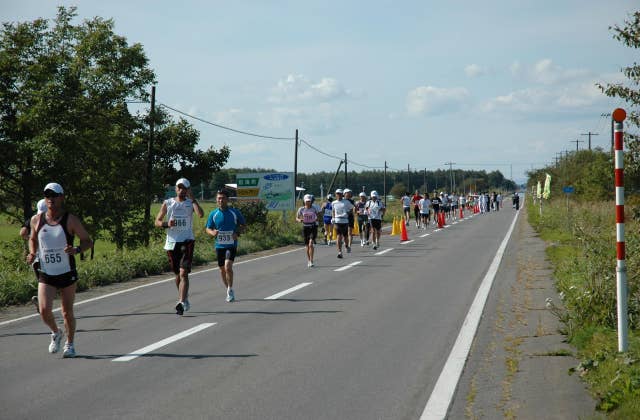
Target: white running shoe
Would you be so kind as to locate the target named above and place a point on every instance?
(230, 295)
(186, 305)
(69, 351)
(55, 341)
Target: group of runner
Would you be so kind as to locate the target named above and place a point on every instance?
(338, 216)
(50, 238)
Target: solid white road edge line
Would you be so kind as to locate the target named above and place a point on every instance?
(445, 387)
(162, 343)
(286, 292)
(145, 285)
(348, 266)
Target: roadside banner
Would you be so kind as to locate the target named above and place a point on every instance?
(547, 187)
(275, 189)
(539, 191)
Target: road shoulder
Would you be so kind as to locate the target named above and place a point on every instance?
(518, 364)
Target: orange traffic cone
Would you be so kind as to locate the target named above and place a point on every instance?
(461, 213)
(356, 228)
(403, 229)
(440, 220)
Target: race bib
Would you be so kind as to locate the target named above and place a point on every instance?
(181, 223)
(309, 217)
(54, 261)
(225, 237)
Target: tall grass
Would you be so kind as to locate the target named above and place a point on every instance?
(582, 246)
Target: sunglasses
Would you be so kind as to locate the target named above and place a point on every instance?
(51, 194)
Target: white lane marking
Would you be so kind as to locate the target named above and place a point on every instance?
(445, 387)
(426, 234)
(383, 252)
(286, 292)
(108, 295)
(348, 266)
(162, 343)
(406, 242)
(437, 230)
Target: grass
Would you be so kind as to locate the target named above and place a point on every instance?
(581, 246)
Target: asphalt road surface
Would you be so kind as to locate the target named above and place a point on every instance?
(364, 337)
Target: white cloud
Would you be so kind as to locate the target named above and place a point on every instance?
(433, 100)
(545, 72)
(474, 70)
(299, 89)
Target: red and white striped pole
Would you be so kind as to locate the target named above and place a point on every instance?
(619, 116)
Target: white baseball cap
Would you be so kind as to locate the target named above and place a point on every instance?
(339, 191)
(362, 194)
(374, 193)
(308, 197)
(183, 181)
(56, 188)
(347, 190)
(41, 206)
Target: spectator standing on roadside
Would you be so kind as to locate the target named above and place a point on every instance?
(308, 216)
(226, 224)
(51, 240)
(180, 240)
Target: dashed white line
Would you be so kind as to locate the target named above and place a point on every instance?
(384, 251)
(406, 242)
(162, 343)
(348, 266)
(286, 292)
(426, 234)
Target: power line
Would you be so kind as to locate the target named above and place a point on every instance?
(225, 127)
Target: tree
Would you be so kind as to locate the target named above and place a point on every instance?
(629, 35)
(64, 117)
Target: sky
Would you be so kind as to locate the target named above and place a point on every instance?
(486, 85)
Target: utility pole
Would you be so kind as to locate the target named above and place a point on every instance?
(384, 183)
(346, 184)
(608, 114)
(147, 210)
(589, 134)
(408, 181)
(576, 142)
(451, 175)
(295, 171)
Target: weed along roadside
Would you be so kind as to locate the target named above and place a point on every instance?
(581, 245)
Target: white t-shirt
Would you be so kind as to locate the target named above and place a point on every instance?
(309, 215)
(406, 201)
(374, 209)
(341, 210)
(424, 204)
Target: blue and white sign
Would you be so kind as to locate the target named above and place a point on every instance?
(568, 190)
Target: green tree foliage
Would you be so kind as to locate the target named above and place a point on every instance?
(629, 35)
(590, 172)
(64, 117)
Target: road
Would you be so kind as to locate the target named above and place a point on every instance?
(365, 337)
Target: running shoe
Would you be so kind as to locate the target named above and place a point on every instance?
(55, 341)
(230, 296)
(179, 308)
(339, 254)
(309, 264)
(348, 250)
(375, 247)
(69, 351)
(186, 305)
